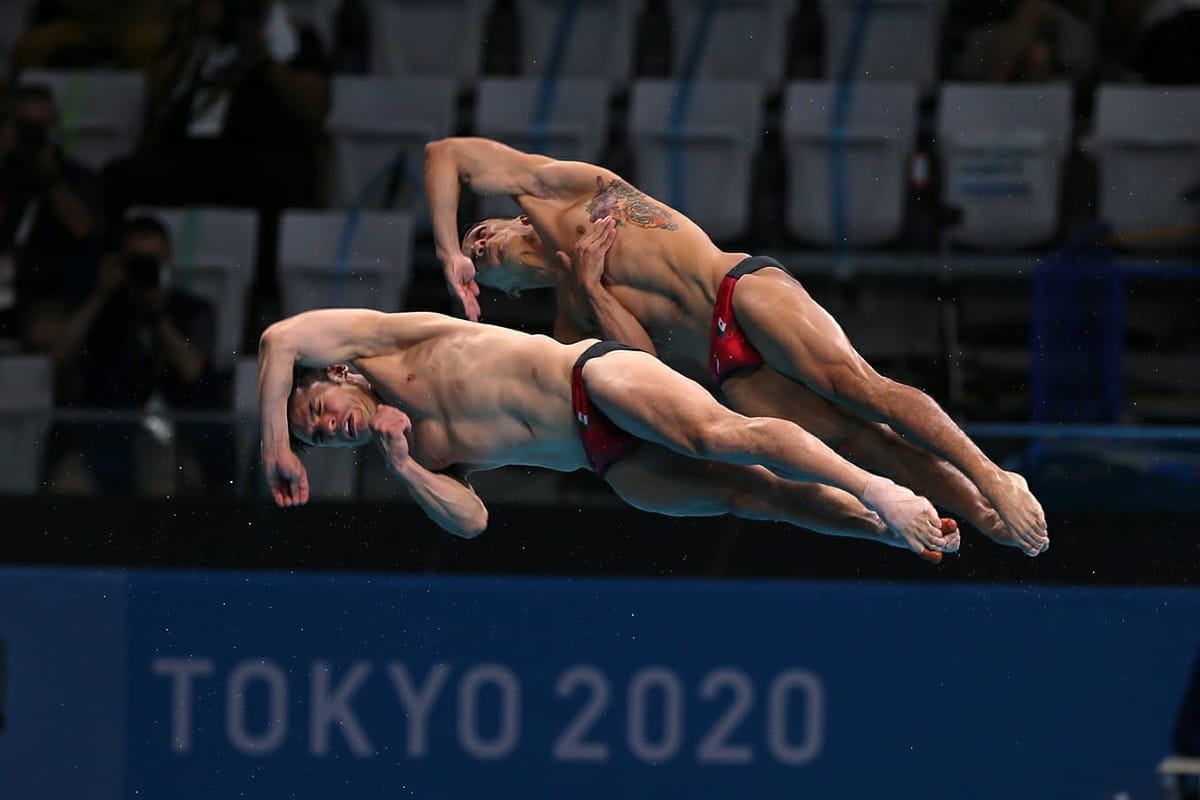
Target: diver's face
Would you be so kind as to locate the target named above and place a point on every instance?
(501, 248)
(333, 412)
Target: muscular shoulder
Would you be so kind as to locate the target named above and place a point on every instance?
(397, 331)
(572, 179)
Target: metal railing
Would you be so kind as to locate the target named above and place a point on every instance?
(216, 453)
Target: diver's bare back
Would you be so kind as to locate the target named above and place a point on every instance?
(481, 396)
(662, 267)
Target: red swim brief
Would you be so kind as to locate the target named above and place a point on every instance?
(729, 350)
(602, 440)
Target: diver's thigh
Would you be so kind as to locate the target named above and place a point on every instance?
(645, 397)
(794, 333)
(653, 478)
(765, 392)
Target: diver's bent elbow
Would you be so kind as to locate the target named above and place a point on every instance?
(473, 527)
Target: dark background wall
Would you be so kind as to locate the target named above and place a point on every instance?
(1089, 546)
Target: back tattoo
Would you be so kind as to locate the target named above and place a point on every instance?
(620, 199)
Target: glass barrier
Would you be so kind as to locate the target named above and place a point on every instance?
(1151, 468)
(192, 454)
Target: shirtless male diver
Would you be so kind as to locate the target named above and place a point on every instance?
(443, 397)
(771, 348)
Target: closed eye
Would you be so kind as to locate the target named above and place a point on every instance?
(316, 432)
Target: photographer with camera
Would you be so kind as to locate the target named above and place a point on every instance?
(238, 101)
(138, 344)
(50, 240)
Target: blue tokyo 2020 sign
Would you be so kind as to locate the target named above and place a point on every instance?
(203, 685)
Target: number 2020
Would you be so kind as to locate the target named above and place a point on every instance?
(716, 746)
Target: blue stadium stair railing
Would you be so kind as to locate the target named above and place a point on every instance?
(539, 126)
(1077, 381)
(839, 113)
(1078, 325)
(677, 121)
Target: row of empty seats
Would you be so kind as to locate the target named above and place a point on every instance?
(707, 39)
(1002, 149)
(847, 149)
(710, 39)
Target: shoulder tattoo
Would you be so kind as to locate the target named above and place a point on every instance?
(629, 206)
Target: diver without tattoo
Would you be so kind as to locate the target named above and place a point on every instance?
(630, 205)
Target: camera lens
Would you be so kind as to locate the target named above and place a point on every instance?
(142, 270)
(31, 137)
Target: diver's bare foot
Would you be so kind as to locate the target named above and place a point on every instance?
(984, 519)
(1022, 516)
(908, 516)
(988, 522)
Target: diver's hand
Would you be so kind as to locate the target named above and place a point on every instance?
(391, 426)
(286, 476)
(460, 280)
(591, 252)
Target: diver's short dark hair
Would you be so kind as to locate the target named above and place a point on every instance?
(302, 378)
(144, 225)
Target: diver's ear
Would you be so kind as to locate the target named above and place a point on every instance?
(337, 372)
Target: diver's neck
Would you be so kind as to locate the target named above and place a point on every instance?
(542, 273)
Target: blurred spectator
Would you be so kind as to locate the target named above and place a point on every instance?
(502, 32)
(139, 345)
(50, 221)
(238, 100)
(68, 34)
(352, 37)
(1025, 41)
(652, 43)
(1162, 39)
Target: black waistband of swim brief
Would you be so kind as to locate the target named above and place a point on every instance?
(753, 264)
(600, 348)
